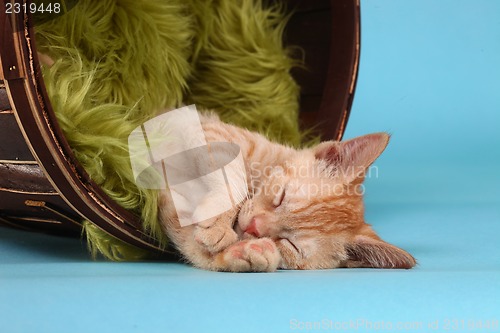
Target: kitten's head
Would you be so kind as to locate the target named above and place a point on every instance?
(311, 205)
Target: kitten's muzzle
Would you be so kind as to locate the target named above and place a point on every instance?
(252, 228)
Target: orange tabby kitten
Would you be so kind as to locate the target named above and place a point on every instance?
(304, 209)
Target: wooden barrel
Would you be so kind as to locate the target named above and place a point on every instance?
(44, 188)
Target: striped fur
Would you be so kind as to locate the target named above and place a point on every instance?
(304, 209)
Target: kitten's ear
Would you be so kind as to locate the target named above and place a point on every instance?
(365, 251)
(354, 155)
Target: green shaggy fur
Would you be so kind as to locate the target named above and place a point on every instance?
(119, 62)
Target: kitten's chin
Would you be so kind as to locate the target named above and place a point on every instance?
(248, 236)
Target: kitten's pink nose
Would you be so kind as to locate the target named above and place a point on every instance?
(252, 228)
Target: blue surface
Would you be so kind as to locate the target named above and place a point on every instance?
(430, 75)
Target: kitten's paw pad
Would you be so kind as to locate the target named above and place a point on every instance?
(216, 238)
(255, 255)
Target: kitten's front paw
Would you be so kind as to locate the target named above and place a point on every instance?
(215, 238)
(255, 255)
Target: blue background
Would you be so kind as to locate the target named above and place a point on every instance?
(430, 75)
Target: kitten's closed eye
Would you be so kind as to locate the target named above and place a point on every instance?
(279, 197)
(290, 246)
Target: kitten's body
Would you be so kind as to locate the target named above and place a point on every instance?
(304, 210)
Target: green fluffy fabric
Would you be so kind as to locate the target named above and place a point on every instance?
(119, 62)
(241, 70)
